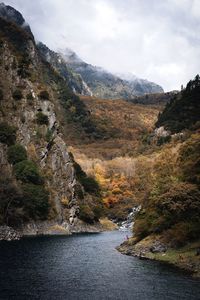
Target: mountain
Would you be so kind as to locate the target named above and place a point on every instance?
(104, 84)
(42, 188)
(141, 86)
(81, 77)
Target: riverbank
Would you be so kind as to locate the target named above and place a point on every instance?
(185, 258)
(8, 233)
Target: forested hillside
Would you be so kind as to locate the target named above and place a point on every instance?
(183, 111)
(169, 221)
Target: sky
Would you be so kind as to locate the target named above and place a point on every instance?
(157, 40)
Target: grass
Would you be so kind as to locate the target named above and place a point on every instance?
(184, 258)
(107, 224)
(57, 229)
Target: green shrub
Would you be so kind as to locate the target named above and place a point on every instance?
(180, 203)
(1, 95)
(17, 95)
(35, 199)
(44, 95)
(42, 119)
(141, 228)
(86, 214)
(16, 153)
(90, 185)
(98, 211)
(29, 97)
(189, 160)
(27, 171)
(7, 134)
(11, 201)
(49, 135)
(163, 140)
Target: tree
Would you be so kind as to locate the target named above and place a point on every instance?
(35, 201)
(42, 119)
(27, 171)
(16, 153)
(17, 95)
(7, 134)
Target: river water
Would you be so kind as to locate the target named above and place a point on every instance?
(86, 267)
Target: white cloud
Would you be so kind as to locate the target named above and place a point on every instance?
(157, 40)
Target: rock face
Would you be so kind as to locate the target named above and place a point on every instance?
(158, 247)
(74, 80)
(142, 248)
(30, 101)
(161, 132)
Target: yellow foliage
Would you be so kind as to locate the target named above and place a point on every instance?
(73, 109)
(108, 224)
(64, 201)
(116, 191)
(32, 152)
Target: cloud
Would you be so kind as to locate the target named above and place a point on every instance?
(157, 40)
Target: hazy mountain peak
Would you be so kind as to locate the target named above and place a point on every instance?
(105, 84)
(69, 56)
(11, 14)
(127, 76)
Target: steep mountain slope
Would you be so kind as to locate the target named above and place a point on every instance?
(10, 14)
(106, 85)
(183, 111)
(74, 81)
(39, 185)
(168, 225)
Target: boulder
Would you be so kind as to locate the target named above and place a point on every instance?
(158, 247)
(9, 234)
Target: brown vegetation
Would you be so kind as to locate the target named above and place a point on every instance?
(112, 160)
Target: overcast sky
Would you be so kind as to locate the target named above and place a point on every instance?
(158, 40)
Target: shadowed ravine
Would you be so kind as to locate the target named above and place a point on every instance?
(86, 266)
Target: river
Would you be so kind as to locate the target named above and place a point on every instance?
(87, 267)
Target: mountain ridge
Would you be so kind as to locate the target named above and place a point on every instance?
(105, 84)
(84, 78)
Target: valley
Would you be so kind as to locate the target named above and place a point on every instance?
(113, 159)
(81, 148)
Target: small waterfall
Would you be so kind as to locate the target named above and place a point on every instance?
(128, 223)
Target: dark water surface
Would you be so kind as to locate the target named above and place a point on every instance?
(86, 267)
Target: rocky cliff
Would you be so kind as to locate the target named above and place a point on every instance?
(74, 80)
(39, 192)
